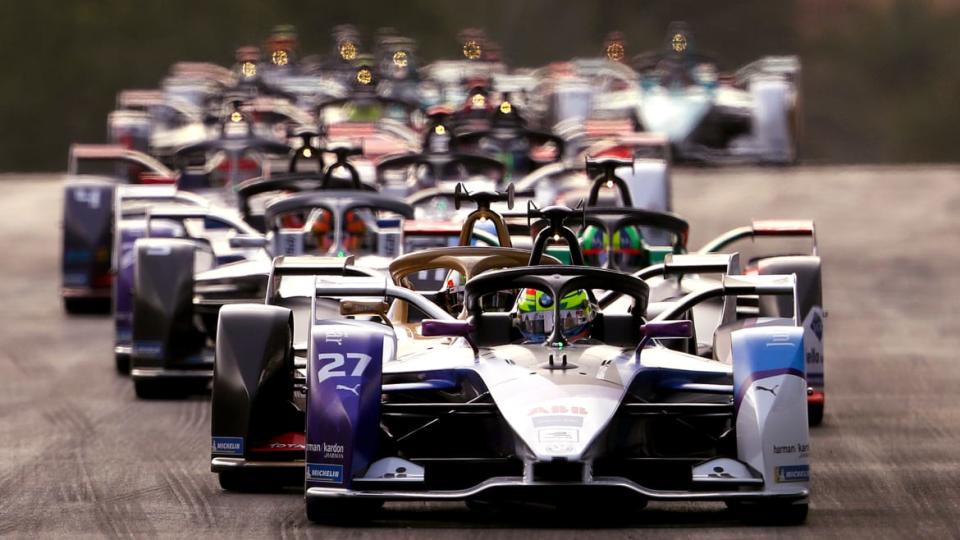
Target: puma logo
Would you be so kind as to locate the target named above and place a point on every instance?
(355, 389)
(771, 390)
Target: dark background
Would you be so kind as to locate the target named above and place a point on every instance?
(880, 81)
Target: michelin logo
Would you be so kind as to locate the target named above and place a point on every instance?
(323, 472)
(228, 445)
(148, 349)
(793, 473)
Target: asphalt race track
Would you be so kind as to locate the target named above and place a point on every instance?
(79, 455)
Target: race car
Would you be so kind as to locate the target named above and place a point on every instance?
(171, 348)
(543, 404)
(439, 163)
(88, 218)
(750, 115)
(258, 441)
(653, 245)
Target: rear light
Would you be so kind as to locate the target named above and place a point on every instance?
(815, 397)
(104, 279)
(152, 178)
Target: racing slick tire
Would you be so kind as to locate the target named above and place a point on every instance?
(815, 414)
(167, 388)
(770, 513)
(342, 512)
(86, 306)
(122, 362)
(252, 481)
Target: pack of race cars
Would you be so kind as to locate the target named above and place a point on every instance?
(458, 281)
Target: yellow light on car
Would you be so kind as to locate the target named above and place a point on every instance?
(236, 116)
(472, 50)
(615, 51)
(478, 101)
(280, 57)
(248, 69)
(400, 59)
(440, 130)
(307, 153)
(364, 76)
(348, 50)
(505, 107)
(679, 42)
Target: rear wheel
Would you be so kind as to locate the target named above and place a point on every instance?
(167, 388)
(122, 362)
(336, 511)
(770, 513)
(259, 481)
(815, 414)
(77, 306)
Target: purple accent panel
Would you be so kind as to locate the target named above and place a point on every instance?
(123, 293)
(762, 352)
(343, 409)
(436, 327)
(667, 329)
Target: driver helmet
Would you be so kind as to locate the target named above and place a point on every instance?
(594, 243)
(534, 313)
(629, 246)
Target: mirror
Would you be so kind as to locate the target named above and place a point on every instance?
(438, 328)
(247, 241)
(681, 329)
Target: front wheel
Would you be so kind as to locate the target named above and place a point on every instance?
(344, 512)
(78, 306)
(815, 414)
(770, 513)
(122, 362)
(167, 388)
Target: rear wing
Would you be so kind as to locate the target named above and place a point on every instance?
(337, 267)
(139, 99)
(368, 287)
(764, 229)
(768, 285)
(134, 201)
(682, 265)
(113, 152)
(180, 213)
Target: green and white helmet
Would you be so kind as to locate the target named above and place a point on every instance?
(535, 312)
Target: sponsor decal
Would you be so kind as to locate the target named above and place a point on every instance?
(771, 389)
(325, 472)
(355, 389)
(75, 279)
(793, 473)
(148, 349)
(559, 435)
(557, 416)
(327, 451)
(817, 326)
(228, 445)
(89, 196)
(558, 409)
(285, 442)
(332, 364)
(791, 448)
(335, 336)
(814, 357)
(561, 420)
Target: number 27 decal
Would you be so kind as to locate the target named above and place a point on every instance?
(333, 365)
